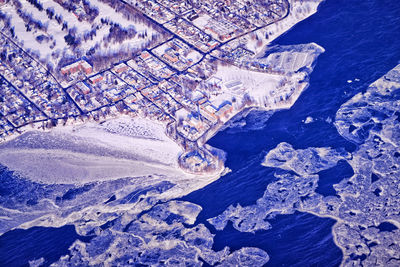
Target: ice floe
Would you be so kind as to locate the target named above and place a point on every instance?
(366, 205)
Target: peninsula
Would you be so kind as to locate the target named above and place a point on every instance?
(182, 69)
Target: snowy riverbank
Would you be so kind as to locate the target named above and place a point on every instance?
(123, 147)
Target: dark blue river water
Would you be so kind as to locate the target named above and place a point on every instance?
(361, 39)
(17, 246)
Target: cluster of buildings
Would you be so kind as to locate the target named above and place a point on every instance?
(177, 6)
(151, 67)
(171, 82)
(224, 19)
(99, 90)
(15, 110)
(75, 71)
(29, 93)
(192, 34)
(206, 24)
(77, 66)
(177, 54)
(130, 76)
(241, 14)
(236, 55)
(147, 85)
(153, 9)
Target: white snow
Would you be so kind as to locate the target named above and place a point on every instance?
(55, 32)
(299, 11)
(139, 147)
(308, 120)
(19, 27)
(257, 84)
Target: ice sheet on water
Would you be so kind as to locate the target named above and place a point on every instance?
(303, 161)
(248, 120)
(372, 120)
(22, 200)
(150, 238)
(364, 204)
(175, 211)
(143, 191)
(365, 113)
(246, 257)
(283, 195)
(293, 187)
(244, 219)
(149, 229)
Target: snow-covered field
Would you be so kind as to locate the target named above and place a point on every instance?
(267, 88)
(118, 148)
(257, 84)
(54, 48)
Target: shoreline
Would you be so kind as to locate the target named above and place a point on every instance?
(95, 140)
(202, 141)
(248, 109)
(297, 13)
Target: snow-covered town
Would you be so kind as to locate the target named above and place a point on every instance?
(190, 65)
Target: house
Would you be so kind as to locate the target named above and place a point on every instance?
(170, 58)
(224, 110)
(86, 67)
(212, 43)
(120, 68)
(145, 55)
(194, 121)
(96, 79)
(83, 88)
(131, 99)
(77, 66)
(208, 111)
(113, 94)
